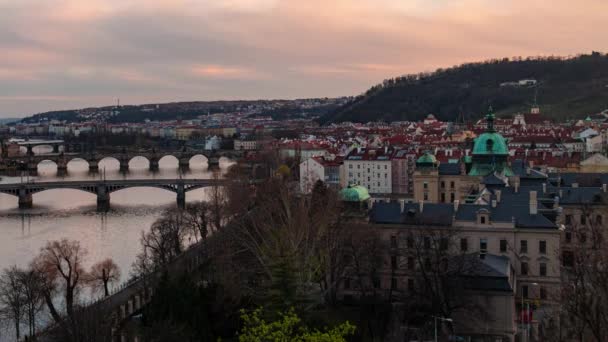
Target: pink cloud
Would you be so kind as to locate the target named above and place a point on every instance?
(216, 71)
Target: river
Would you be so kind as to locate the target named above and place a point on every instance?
(72, 214)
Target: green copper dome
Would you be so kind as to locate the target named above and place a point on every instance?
(490, 152)
(490, 143)
(427, 158)
(354, 193)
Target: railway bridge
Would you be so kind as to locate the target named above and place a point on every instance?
(103, 188)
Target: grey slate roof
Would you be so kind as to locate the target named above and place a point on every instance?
(449, 169)
(432, 213)
(488, 274)
(513, 207)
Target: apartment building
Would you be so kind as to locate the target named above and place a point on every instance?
(370, 168)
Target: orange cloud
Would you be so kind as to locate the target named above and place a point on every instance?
(224, 72)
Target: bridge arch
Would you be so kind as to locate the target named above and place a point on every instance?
(136, 162)
(169, 159)
(199, 161)
(109, 162)
(77, 160)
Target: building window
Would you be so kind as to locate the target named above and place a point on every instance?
(426, 196)
(567, 259)
(386, 167)
(568, 237)
(358, 166)
(452, 197)
(376, 281)
(542, 247)
(442, 184)
(442, 197)
(543, 269)
(483, 244)
(425, 185)
(543, 293)
(350, 166)
(394, 262)
(482, 219)
(410, 263)
(443, 244)
(452, 185)
(368, 170)
(503, 246)
(464, 244)
(568, 219)
(393, 241)
(394, 283)
(523, 246)
(524, 291)
(410, 284)
(524, 268)
(582, 237)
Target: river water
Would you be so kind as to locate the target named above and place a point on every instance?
(72, 214)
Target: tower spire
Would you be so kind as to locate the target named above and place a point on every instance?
(490, 120)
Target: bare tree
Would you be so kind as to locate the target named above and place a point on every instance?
(102, 274)
(12, 298)
(585, 289)
(217, 204)
(32, 285)
(61, 264)
(196, 218)
(165, 240)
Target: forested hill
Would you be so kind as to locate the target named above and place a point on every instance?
(566, 88)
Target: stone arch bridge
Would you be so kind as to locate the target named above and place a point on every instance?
(30, 162)
(103, 188)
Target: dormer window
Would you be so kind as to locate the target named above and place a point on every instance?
(483, 216)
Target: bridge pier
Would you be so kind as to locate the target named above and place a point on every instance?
(55, 148)
(32, 168)
(103, 199)
(93, 165)
(153, 164)
(25, 199)
(30, 150)
(184, 163)
(62, 167)
(181, 196)
(213, 163)
(124, 164)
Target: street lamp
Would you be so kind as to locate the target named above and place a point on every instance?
(441, 319)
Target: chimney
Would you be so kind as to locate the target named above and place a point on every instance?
(604, 187)
(402, 205)
(533, 203)
(555, 202)
(493, 203)
(498, 194)
(575, 185)
(544, 188)
(421, 206)
(456, 204)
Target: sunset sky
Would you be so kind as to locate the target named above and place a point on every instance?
(62, 54)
